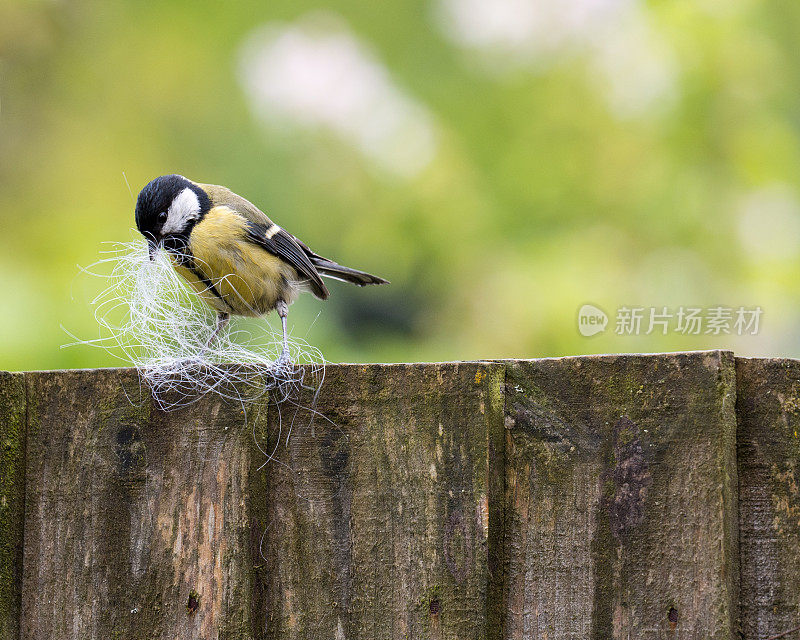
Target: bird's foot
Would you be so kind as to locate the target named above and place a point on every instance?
(283, 359)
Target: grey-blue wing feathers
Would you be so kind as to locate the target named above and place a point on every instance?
(284, 245)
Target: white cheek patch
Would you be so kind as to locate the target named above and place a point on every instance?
(184, 208)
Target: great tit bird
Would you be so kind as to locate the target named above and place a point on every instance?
(231, 253)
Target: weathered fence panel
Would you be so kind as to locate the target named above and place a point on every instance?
(769, 488)
(377, 516)
(621, 511)
(592, 497)
(136, 523)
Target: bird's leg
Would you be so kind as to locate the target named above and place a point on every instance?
(283, 310)
(222, 321)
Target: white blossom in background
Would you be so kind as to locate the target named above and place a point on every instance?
(769, 224)
(527, 28)
(638, 72)
(632, 64)
(315, 74)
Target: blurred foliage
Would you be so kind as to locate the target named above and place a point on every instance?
(540, 197)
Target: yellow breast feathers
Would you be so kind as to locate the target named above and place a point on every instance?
(231, 273)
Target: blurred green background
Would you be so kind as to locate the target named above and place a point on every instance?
(502, 163)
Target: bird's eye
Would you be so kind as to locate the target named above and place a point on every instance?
(162, 217)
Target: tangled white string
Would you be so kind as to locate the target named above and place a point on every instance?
(150, 316)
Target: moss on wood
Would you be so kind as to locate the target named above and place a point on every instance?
(12, 495)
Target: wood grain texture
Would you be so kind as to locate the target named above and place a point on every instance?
(12, 497)
(591, 498)
(621, 498)
(376, 519)
(130, 510)
(768, 406)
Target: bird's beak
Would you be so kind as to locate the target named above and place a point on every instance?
(152, 249)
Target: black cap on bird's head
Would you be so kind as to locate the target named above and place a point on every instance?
(167, 209)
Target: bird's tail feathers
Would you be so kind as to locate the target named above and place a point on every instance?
(345, 274)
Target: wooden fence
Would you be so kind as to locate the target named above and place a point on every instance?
(592, 497)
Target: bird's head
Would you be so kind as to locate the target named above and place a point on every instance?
(167, 209)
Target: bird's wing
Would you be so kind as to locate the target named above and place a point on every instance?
(266, 234)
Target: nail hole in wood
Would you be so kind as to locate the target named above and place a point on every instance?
(672, 616)
(193, 604)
